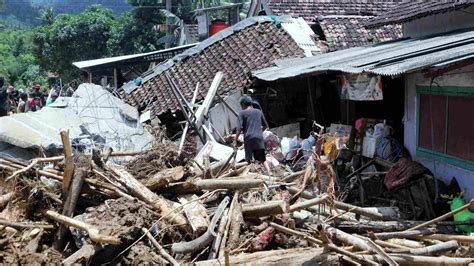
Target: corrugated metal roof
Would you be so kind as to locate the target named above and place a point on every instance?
(160, 55)
(388, 59)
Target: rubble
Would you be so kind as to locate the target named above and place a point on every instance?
(159, 208)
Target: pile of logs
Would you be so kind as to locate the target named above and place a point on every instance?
(239, 217)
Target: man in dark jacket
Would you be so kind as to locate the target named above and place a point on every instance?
(252, 123)
(4, 101)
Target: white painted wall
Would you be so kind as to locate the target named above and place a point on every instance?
(439, 23)
(462, 77)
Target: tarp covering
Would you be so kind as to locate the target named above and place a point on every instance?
(94, 117)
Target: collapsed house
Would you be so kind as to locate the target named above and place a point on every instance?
(249, 45)
(170, 205)
(94, 117)
(424, 80)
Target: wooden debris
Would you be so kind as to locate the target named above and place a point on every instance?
(265, 209)
(162, 251)
(236, 221)
(435, 249)
(143, 193)
(212, 184)
(163, 178)
(202, 241)
(5, 198)
(94, 234)
(68, 159)
(195, 213)
(81, 170)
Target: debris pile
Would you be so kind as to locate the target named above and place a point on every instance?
(165, 208)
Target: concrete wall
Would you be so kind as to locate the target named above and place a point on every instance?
(443, 22)
(462, 77)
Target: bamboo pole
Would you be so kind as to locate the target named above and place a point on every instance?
(407, 259)
(69, 160)
(445, 237)
(444, 216)
(321, 243)
(308, 203)
(437, 248)
(161, 250)
(266, 209)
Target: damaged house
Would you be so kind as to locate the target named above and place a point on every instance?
(338, 24)
(421, 85)
(248, 45)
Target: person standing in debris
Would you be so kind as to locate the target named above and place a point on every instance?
(252, 122)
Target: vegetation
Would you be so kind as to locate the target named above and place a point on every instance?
(55, 41)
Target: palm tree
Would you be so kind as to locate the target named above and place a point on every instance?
(47, 16)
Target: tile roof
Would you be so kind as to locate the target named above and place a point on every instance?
(343, 32)
(414, 9)
(236, 53)
(309, 9)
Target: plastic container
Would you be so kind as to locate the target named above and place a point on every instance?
(216, 26)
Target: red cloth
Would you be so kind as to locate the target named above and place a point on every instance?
(404, 170)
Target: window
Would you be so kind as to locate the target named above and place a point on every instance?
(446, 124)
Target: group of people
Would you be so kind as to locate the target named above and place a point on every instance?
(20, 101)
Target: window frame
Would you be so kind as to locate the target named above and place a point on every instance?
(431, 154)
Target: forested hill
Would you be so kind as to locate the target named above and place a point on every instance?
(25, 13)
(77, 6)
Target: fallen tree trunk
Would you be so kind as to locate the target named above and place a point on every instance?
(336, 234)
(68, 161)
(195, 213)
(390, 226)
(206, 238)
(17, 225)
(297, 256)
(403, 234)
(5, 198)
(81, 169)
(444, 237)
(94, 234)
(146, 195)
(435, 249)
(212, 184)
(163, 178)
(321, 243)
(266, 209)
(236, 221)
(406, 259)
(308, 203)
(371, 213)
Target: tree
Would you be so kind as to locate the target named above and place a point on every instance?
(73, 38)
(137, 31)
(47, 16)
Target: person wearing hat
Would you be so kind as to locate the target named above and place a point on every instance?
(252, 123)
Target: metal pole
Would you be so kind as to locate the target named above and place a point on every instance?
(168, 27)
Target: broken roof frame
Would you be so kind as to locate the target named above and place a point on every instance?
(391, 58)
